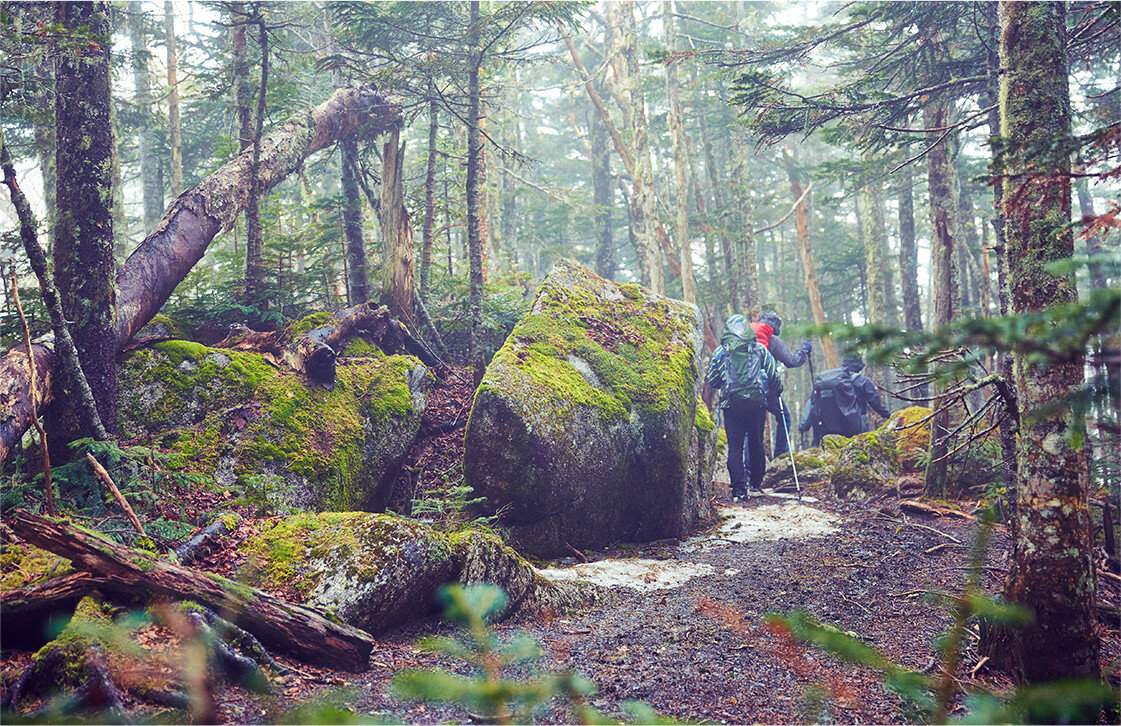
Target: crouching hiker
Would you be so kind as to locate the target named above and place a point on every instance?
(840, 401)
(745, 372)
(767, 333)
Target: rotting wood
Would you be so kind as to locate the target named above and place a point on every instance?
(181, 238)
(314, 353)
(933, 510)
(294, 629)
(25, 608)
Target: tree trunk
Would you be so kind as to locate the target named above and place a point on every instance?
(429, 197)
(908, 252)
(801, 225)
(396, 233)
(681, 187)
(180, 240)
(602, 196)
(358, 275)
(943, 236)
(84, 267)
(294, 629)
(152, 195)
(1052, 571)
(256, 295)
(1094, 242)
(875, 244)
(745, 262)
(474, 163)
(174, 139)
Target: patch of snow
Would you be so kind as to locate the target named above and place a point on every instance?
(768, 522)
(637, 574)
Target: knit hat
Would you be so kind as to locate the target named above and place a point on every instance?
(773, 320)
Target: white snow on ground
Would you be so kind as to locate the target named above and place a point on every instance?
(637, 574)
(769, 522)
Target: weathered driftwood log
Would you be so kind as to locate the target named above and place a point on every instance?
(294, 629)
(314, 352)
(180, 240)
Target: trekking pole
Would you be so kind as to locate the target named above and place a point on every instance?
(786, 427)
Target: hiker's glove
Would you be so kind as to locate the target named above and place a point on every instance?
(807, 348)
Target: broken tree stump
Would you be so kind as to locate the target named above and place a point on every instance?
(294, 629)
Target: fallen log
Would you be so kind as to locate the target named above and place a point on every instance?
(181, 238)
(25, 609)
(294, 629)
(933, 510)
(314, 352)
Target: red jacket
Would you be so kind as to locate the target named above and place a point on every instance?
(763, 333)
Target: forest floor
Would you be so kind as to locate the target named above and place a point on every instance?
(699, 649)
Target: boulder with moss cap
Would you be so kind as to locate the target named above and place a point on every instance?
(233, 415)
(374, 571)
(587, 428)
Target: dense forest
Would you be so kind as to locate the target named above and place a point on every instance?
(322, 317)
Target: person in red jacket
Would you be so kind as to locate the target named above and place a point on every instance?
(766, 332)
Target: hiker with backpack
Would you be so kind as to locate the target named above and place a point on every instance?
(840, 400)
(766, 331)
(745, 371)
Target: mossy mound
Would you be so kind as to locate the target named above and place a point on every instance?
(814, 465)
(585, 429)
(376, 570)
(912, 437)
(867, 466)
(233, 415)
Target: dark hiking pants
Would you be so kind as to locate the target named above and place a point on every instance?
(745, 427)
(782, 427)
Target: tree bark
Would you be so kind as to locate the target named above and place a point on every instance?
(875, 261)
(426, 238)
(174, 138)
(602, 195)
(151, 194)
(357, 267)
(84, 266)
(180, 240)
(474, 170)
(1094, 248)
(397, 233)
(256, 295)
(943, 238)
(294, 629)
(1052, 571)
(908, 252)
(801, 225)
(681, 187)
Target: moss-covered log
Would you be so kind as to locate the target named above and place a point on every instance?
(181, 238)
(294, 629)
(27, 609)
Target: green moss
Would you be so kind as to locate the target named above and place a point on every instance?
(360, 348)
(307, 324)
(644, 369)
(703, 421)
(285, 550)
(23, 564)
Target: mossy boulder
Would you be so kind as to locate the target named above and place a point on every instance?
(376, 570)
(814, 465)
(911, 427)
(233, 415)
(868, 465)
(587, 427)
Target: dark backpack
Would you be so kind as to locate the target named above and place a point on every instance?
(837, 407)
(746, 383)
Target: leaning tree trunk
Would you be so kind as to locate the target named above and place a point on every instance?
(1052, 570)
(397, 277)
(180, 240)
(84, 266)
(943, 237)
(255, 269)
(474, 162)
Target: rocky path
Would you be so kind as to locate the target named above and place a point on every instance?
(685, 630)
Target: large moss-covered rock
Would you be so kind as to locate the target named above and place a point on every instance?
(868, 465)
(233, 415)
(376, 570)
(911, 427)
(587, 427)
(813, 465)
